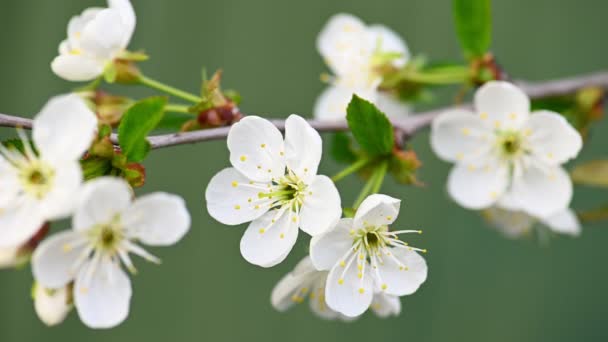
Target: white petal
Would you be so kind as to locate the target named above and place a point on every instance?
(404, 275)
(376, 210)
(10, 186)
(102, 297)
(9, 256)
(77, 68)
(19, 222)
(347, 293)
(458, 135)
(64, 128)
(564, 222)
(551, 138)
(54, 261)
(503, 104)
(385, 305)
(317, 302)
(231, 199)
(257, 149)
(266, 243)
(542, 192)
(127, 14)
(303, 147)
(157, 219)
(77, 23)
(106, 35)
(61, 199)
(281, 297)
(100, 201)
(332, 103)
(327, 249)
(344, 44)
(322, 206)
(511, 223)
(392, 106)
(51, 306)
(386, 40)
(477, 187)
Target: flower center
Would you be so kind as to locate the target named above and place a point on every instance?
(37, 178)
(107, 237)
(289, 190)
(510, 144)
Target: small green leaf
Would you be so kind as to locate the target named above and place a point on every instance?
(473, 20)
(110, 73)
(370, 127)
(139, 120)
(342, 149)
(593, 173)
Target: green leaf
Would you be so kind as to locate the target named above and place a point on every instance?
(139, 120)
(110, 73)
(342, 149)
(593, 173)
(370, 127)
(473, 20)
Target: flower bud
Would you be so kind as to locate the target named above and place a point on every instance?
(403, 166)
(224, 115)
(110, 108)
(487, 69)
(52, 306)
(127, 72)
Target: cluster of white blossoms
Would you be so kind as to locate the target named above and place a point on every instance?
(274, 184)
(507, 157)
(95, 38)
(353, 51)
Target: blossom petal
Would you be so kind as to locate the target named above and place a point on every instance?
(77, 23)
(376, 210)
(344, 44)
(257, 149)
(511, 223)
(64, 128)
(502, 104)
(19, 222)
(402, 272)
(387, 41)
(327, 249)
(54, 261)
(231, 199)
(392, 106)
(551, 138)
(9, 183)
(384, 305)
(322, 206)
(102, 294)
(317, 302)
(52, 307)
(106, 35)
(564, 222)
(100, 201)
(477, 187)
(267, 243)
(281, 297)
(542, 192)
(127, 14)
(60, 201)
(303, 147)
(346, 293)
(458, 135)
(332, 103)
(157, 219)
(77, 68)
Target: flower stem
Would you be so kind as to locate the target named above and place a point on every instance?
(148, 82)
(177, 108)
(380, 173)
(373, 184)
(356, 166)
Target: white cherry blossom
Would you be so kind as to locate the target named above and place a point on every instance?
(515, 224)
(353, 51)
(106, 227)
(95, 38)
(305, 281)
(35, 188)
(364, 257)
(504, 154)
(274, 184)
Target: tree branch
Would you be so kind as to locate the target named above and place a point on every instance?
(407, 125)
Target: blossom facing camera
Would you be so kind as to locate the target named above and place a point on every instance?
(354, 52)
(274, 184)
(504, 155)
(40, 187)
(52, 306)
(305, 281)
(106, 227)
(365, 258)
(95, 38)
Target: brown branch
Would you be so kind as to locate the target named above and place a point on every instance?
(407, 125)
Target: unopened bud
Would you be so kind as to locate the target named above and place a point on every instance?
(110, 108)
(52, 305)
(135, 174)
(224, 115)
(127, 71)
(404, 165)
(487, 69)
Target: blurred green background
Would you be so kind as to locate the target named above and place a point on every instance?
(481, 287)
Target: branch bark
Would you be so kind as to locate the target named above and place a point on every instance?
(408, 125)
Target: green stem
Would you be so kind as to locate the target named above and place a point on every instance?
(148, 82)
(381, 172)
(365, 191)
(176, 108)
(356, 166)
(373, 183)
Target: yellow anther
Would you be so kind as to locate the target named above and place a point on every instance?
(471, 167)
(483, 116)
(550, 155)
(235, 184)
(237, 207)
(341, 281)
(305, 169)
(282, 236)
(75, 52)
(359, 267)
(361, 256)
(67, 248)
(294, 219)
(342, 263)
(263, 146)
(282, 153)
(459, 156)
(384, 286)
(466, 131)
(273, 221)
(388, 218)
(259, 167)
(497, 124)
(250, 182)
(310, 193)
(243, 158)
(361, 290)
(352, 232)
(493, 194)
(420, 232)
(360, 275)
(513, 116)
(424, 251)
(256, 207)
(84, 290)
(262, 230)
(269, 170)
(249, 199)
